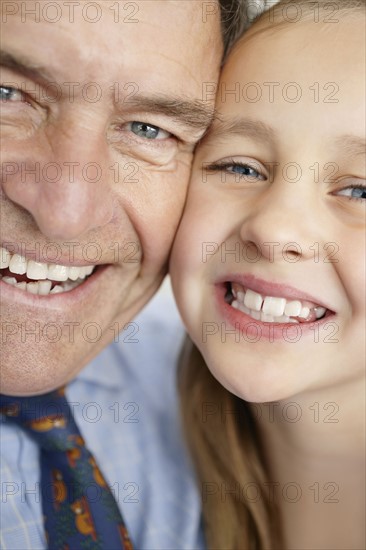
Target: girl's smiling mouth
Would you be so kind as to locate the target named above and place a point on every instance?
(250, 304)
(272, 309)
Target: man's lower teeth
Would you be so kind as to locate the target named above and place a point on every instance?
(42, 288)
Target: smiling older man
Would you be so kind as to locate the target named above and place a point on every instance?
(102, 104)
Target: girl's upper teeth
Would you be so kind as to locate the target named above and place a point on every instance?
(273, 309)
(37, 271)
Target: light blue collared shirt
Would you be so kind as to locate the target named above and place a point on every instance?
(126, 406)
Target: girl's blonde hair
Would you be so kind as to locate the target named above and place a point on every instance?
(239, 510)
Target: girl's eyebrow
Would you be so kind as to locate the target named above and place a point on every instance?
(248, 127)
(351, 145)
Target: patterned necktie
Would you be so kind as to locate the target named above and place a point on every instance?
(80, 512)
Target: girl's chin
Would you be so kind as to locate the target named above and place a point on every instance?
(253, 381)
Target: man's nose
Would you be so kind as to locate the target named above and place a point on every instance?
(282, 223)
(64, 185)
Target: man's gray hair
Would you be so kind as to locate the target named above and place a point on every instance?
(236, 16)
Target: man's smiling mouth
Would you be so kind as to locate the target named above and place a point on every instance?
(270, 309)
(40, 278)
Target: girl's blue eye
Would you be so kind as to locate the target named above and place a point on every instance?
(353, 192)
(244, 170)
(148, 131)
(238, 169)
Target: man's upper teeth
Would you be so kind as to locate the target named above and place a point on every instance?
(19, 265)
(273, 309)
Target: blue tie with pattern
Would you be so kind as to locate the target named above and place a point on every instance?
(80, 512)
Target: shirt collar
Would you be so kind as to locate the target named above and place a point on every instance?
(106, 369)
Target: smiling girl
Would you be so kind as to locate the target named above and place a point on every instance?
(268, 270)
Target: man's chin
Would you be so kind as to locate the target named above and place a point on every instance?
(38, 357)
(33, 370)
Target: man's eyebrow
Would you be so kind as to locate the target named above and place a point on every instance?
(244, 127)
(351, 145)
(193, 113)
(25, 67)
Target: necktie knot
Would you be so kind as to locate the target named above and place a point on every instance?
(79, 508)
(47, 419)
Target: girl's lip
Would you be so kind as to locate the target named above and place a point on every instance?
(266, 288)
(252, 330)
(62, 299)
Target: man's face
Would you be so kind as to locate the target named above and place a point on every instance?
(101, 108)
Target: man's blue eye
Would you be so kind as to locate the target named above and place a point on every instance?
(148, 131)
(7, 93)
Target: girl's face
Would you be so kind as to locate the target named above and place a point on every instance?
(268, 265)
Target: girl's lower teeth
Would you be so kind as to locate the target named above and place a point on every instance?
(314, 315)
(42, 288)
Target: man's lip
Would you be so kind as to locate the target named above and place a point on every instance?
(267, 288)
